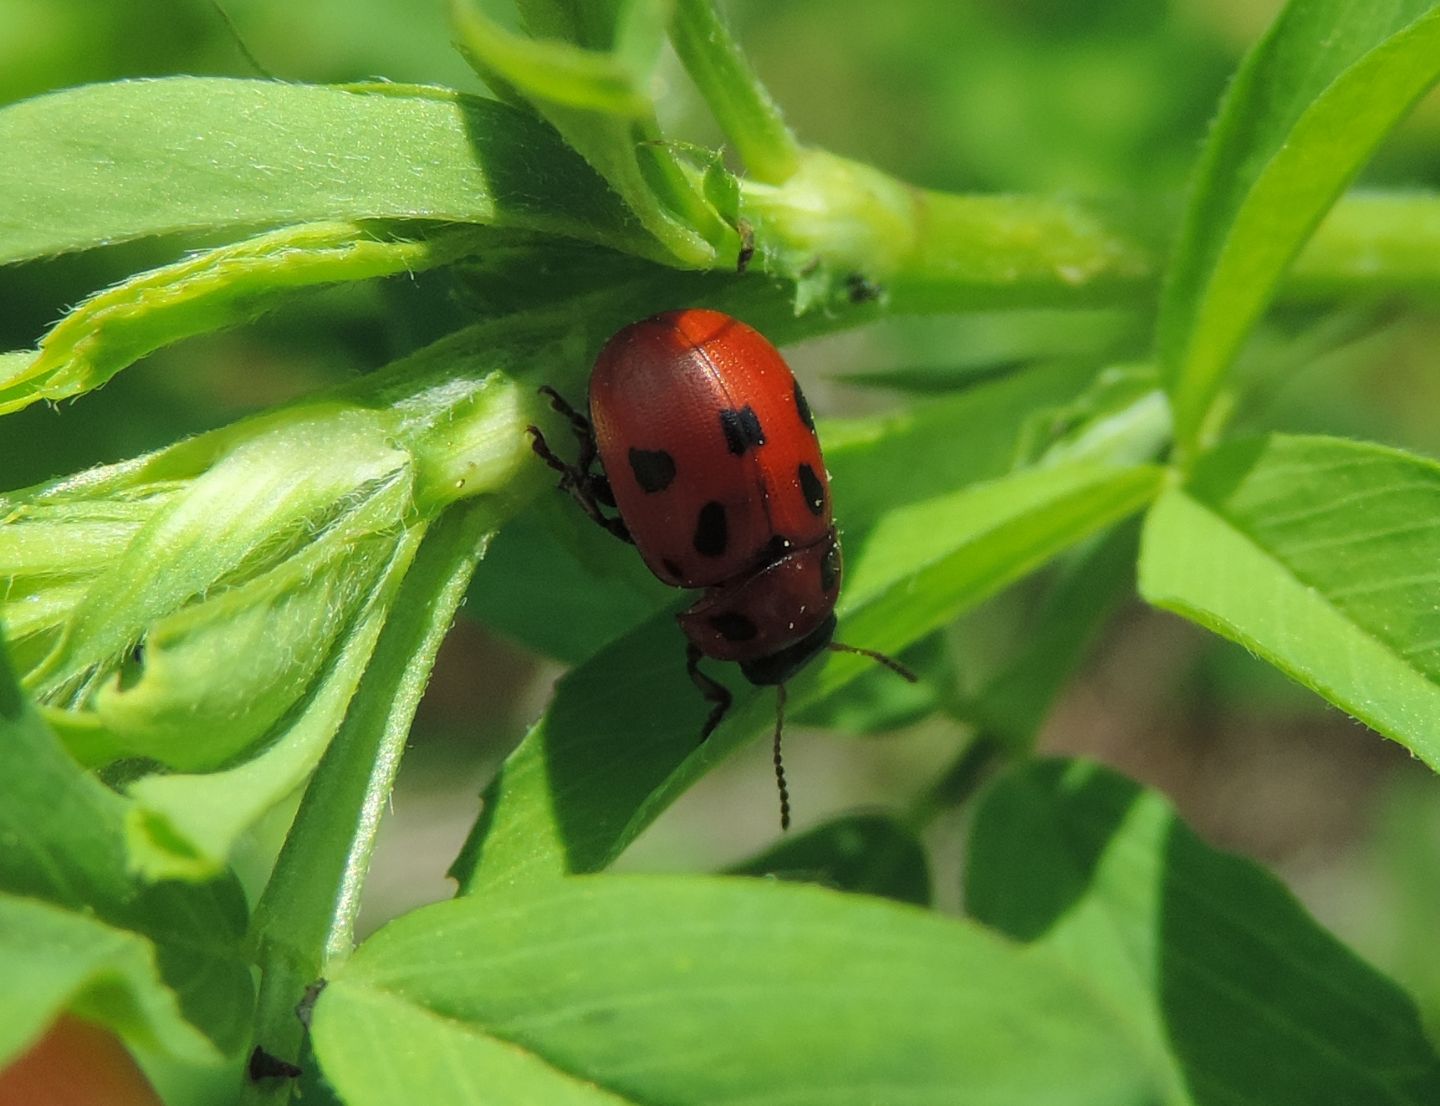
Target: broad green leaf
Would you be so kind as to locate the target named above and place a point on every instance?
(1236, 991)
(1308, 107)
(1318, 554)
(578, 75)
(214, 289)
(53, 961)
(873, 854)
(63, 861)
(558, 584)
(692, 990)
(83, 168)
(618, 743)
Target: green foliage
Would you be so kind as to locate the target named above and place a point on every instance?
(1314, 552)
(219, 645)
(689, 989)
(1307, 109)
(1212, 962)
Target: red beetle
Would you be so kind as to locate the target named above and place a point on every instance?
(708, 452)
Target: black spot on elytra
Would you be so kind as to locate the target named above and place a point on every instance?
(813, 489)
(742, 429)
(830, 568)
(733, 626)
(653, 469)
(802, 406)
(712, 530)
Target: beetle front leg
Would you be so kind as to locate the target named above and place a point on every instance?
(713, 691)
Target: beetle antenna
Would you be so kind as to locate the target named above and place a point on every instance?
(880, 658)
(779, 764)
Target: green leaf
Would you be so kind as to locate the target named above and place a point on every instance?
(80, 928)
(1308, 107)
(877, 464)
(54, 960)
(740, 103)
(272, 636)
(304, 923)
(1013, 705)
(1238, 992)
(684, 990)
(558, 584)
(873, 854)
(618, 743)
(184, 826)
(324, 470)
(588, 79)
(1318, 554)
(84, 167)
(214, 289)
(256, 566)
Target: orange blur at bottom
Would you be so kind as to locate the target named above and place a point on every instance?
(76, 1063)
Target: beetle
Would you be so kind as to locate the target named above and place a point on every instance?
(707, 453)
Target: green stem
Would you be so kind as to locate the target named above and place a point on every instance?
(935, 252)
(740, 103)
(961, 779)
(1375, 242)
(305, 921)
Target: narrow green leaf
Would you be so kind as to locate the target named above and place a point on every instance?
(304, 924)
(684, 990)
(598, 101)
(553, 69)
(873, 854)
(1013, 705)
(1308, 107)
(740, 103)
(214, 289)
(618, 743)
(1381, 242)
(83, 168)
(62, 852)
(1318, 554)
(877, 464)
(1215, 965)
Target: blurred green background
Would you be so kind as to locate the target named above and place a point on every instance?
(1106, 99)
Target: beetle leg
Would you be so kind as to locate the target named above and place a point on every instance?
(712, 690)
(582, 486)
(578, 423)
